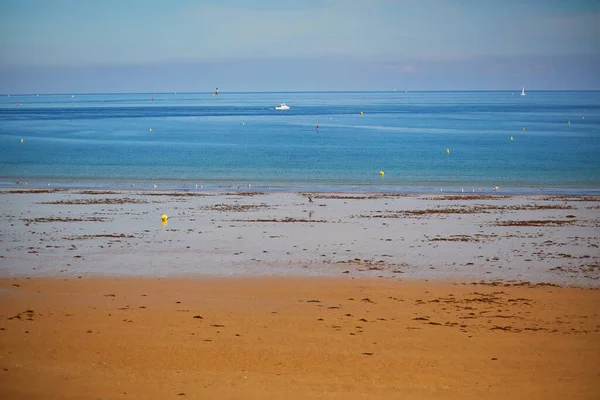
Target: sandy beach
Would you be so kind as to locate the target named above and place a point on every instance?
(250, 295)
(539, 238)
(296, 338)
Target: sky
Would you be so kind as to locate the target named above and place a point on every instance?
(90, 46)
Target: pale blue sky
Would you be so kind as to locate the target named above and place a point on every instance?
(264, 45)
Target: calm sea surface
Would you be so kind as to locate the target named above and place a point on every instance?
(238, 139)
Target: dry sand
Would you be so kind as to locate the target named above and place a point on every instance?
(295, 338)
(271, 295)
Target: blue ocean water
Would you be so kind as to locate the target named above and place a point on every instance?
(238, 139)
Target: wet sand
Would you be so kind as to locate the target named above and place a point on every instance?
(467, 237)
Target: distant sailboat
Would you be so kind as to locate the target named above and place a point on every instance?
(523, 91)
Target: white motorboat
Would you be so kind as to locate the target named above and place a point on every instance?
(282, 106)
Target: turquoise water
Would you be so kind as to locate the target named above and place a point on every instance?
(238, 139)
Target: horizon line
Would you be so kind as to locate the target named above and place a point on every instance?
(298, 91)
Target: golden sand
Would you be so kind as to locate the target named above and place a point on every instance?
(295, 338)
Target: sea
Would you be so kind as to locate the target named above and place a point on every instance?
(395, 141)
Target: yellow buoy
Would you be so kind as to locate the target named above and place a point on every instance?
(164, 217)
(569, 123)
(447, 151)
(21, 140)
(511, 138)
(523, 128)
(381, 173)
(361, 113)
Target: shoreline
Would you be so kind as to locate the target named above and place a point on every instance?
(234, 185)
